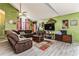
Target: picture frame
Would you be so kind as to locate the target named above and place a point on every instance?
(65, 24)
(73, 22)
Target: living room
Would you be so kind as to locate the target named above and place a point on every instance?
(39, 29)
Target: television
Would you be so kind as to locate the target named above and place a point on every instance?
(50, 27)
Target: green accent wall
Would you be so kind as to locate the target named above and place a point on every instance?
(72, 30)
(11, 13)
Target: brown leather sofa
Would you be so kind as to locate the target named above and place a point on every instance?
(18, 46)
(28, 33)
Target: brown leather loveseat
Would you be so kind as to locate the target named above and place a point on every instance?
(18, 46)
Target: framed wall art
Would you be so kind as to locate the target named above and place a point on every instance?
(73, 22)
(65, 24)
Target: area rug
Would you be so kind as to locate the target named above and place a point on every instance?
(44, 45)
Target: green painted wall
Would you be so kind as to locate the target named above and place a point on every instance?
(73, 30)
(10, 14)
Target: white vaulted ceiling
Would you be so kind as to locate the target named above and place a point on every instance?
(66, 8)
(47, 10)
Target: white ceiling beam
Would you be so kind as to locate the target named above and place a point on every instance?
(53, 9)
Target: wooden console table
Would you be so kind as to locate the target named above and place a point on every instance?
(64, 38)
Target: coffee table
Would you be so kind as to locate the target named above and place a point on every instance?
(37, 38)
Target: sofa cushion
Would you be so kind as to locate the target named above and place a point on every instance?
(14, 37)
(23, 38)
(24, 41)
(17, 32)
(11, 41)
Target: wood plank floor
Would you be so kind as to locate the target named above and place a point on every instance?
(56, 49)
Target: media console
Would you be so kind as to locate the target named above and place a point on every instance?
(64, 38)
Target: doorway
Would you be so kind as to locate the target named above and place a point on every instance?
(2, 23)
